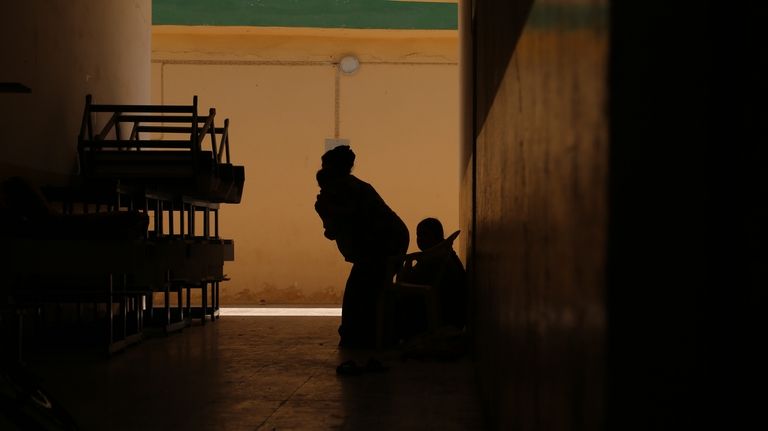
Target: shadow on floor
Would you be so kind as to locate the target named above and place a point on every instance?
(258, 373)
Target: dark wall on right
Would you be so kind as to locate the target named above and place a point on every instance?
(687, 229)
(656, 268)
(614, 189)
(537, 163)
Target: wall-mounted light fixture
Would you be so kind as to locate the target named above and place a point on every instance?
(349, 64)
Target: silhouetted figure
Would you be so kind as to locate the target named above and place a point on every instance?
(368, 234)
(444, 271)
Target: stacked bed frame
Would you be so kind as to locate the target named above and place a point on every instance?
(145, 160)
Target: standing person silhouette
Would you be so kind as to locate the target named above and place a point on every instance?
(368, 234)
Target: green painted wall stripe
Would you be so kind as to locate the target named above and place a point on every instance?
(369, 14)
(568, 16)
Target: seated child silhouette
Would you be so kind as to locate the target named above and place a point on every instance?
(445, 271)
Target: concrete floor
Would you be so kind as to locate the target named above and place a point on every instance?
(257, 373)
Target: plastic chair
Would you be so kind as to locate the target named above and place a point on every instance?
(419, 275)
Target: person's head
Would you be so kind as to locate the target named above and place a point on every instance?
(429, 232)
(322, 178)
(338, 161)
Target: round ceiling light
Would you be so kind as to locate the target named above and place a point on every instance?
(349, 64)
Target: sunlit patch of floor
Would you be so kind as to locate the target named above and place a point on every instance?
(287, 312)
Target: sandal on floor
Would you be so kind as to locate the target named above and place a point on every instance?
(349, 368)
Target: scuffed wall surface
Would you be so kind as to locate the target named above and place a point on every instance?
(540, 217)
(64, 50)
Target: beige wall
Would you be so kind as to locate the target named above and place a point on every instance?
(64, 50)
(279, 89)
